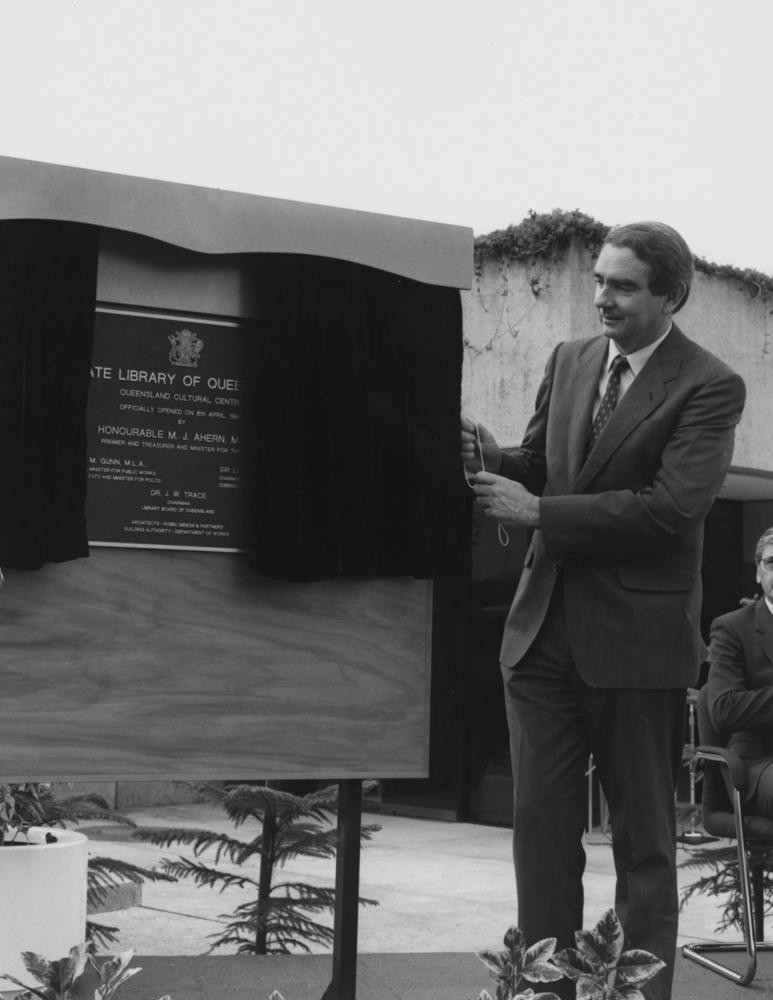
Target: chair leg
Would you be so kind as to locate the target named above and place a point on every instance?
(758, 898)
(751, 917)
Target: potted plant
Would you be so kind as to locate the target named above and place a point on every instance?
(43, 874)
(47, 878)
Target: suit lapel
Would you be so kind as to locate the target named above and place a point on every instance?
(589, 368)
(646, 393)
(763, 622)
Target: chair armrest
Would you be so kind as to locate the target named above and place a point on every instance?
(735, 765)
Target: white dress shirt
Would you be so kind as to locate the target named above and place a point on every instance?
(636, 361)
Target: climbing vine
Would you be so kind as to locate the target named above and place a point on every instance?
(548, 235)
(755, 283)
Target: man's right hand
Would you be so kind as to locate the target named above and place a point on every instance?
(479, 449)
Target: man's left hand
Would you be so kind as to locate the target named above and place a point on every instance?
(507, 501)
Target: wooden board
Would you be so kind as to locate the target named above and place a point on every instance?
(138, 664)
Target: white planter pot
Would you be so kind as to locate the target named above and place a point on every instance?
(42, 900)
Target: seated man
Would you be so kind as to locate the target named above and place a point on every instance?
(740, 684)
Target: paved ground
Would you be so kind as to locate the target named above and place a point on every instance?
(445, 891)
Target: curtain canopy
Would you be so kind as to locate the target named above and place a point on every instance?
(353, 421)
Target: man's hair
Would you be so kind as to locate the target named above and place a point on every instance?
(766, 538)
(670, 260)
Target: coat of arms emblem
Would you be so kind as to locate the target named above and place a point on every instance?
(186, 348)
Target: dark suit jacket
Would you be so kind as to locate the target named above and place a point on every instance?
(740, 684)
(625, 526)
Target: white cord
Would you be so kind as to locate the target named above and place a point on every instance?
(502, 535)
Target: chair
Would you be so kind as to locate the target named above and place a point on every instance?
(724, 815)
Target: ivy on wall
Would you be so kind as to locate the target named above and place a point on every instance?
(548, 235)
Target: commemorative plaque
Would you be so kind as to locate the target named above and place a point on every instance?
(166, 430)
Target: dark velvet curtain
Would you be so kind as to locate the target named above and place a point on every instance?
(47, 294)
(356, 424)
(354, 418)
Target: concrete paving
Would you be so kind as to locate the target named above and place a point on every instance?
(445, 890)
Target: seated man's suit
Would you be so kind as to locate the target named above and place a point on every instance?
(740, 693)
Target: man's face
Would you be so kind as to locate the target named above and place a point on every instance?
(765, 572)
(630, 314)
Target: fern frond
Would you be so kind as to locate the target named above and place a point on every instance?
(91, 806)
(229, 938)
(233, 849)
(203, 875)
(306, 840)
(100, 935)
(309, 896)
(255, 802)
(106, 873)
(298, 933)
(283, 936)
(714, 856)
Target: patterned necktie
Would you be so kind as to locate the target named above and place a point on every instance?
(609, 400)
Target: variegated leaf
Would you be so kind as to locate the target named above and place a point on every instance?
(112, 967)
(515, 944)
(541, 970)
(605, 942)
(540, 951)
(631, 993)
(573, 963)
(637, 967)
(538, 967)
(106, 990)
(32, 990)
(589, 988)
(497, 962)
(36, 965)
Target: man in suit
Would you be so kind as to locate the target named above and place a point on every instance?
(617, 470)
(740, 683)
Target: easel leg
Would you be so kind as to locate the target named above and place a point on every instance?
(344, 982)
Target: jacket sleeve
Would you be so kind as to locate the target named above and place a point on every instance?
(527, 464)
(733, 705)
(692, 467)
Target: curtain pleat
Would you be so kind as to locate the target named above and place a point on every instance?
(47, 295)
(356, 424)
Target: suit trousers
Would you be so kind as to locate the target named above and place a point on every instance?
(636, 738)
(760, 797)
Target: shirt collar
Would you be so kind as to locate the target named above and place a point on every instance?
(770, 605)
(637, 359)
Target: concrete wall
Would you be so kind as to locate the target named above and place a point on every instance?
(517, 312)
(513, 317)
(739, 329)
